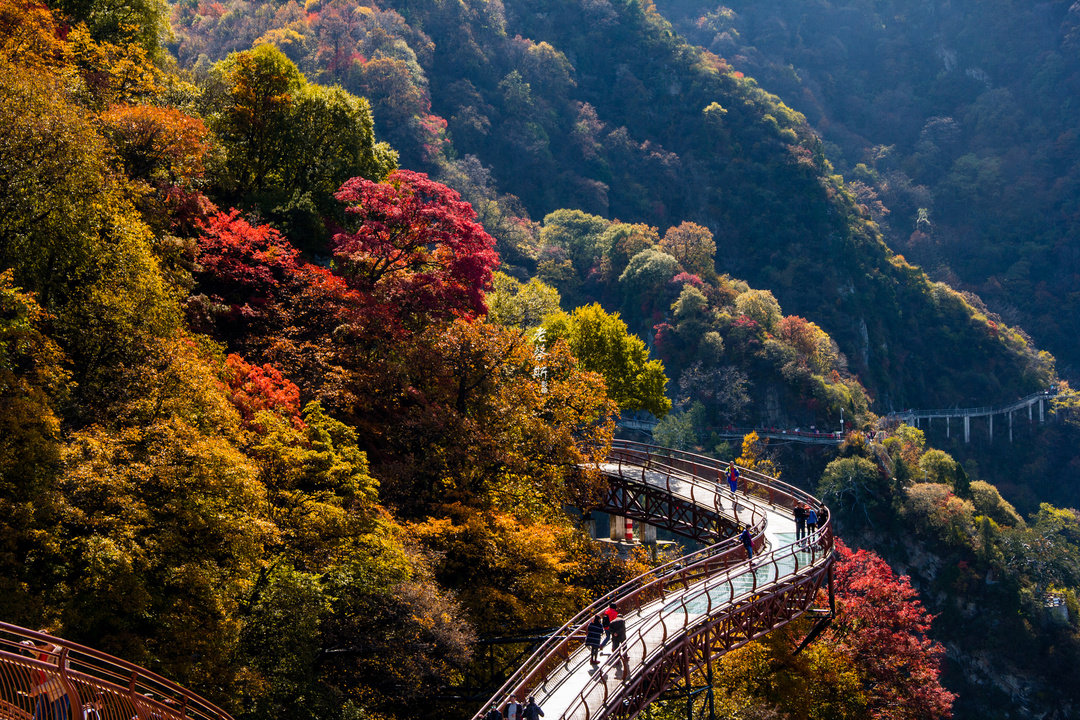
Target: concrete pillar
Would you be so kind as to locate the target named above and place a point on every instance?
(1042, 418)
(648, 533)
(1010, 426)
(991, 416)
(947, 424)
(967, 428)
(1029, 412)
(618, 528)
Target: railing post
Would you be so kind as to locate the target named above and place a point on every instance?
(75, 703)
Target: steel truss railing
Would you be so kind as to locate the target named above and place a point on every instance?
(642, 487)
(694, 609)
(49, 678)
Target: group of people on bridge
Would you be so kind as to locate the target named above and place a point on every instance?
(806, 522)
(605, 627)
(513, 710)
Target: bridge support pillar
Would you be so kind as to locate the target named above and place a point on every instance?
(947, 424)
(1042, 402)
(991, 427)
(627, 530)
(1010, 426)
(618, 528)
(648, 533)
(967, 428)
(1029, 412)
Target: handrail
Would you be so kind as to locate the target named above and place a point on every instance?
(626, 454)
(775, 491)
(688, 578)
(652, 640)
(85, 682)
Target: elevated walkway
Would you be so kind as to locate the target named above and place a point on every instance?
(682, 615)
(916, 418)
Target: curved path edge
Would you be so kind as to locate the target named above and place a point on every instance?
(690, 611)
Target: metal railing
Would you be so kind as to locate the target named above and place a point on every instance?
(49, 678)
(690, 486)
(740, 599)
(682, 603)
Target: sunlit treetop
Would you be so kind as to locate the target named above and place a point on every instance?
(416, 244)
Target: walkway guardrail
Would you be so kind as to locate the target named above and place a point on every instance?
(42, 676)
(973, 411)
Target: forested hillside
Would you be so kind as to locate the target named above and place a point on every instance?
(601, 107)
(956, 122)
(315, 318)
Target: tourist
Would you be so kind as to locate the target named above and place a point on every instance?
(532, 710)
(608, 617)
(594, 635)
(811, 521)
(493, 713)
(800, 522)
(51, 700)
(748, 543)
(513, 709)
(618, 633)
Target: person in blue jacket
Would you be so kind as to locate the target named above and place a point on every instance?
(594, 636)
(748, 542)
(811, 521)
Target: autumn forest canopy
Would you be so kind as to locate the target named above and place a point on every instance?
(316, 318)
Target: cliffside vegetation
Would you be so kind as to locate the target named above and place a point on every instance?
(285, 418)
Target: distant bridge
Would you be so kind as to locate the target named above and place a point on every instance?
(915, 418)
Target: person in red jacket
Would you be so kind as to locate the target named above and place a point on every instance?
(609, 615)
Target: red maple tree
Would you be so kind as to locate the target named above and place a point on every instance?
(415, 247)
(882, 626)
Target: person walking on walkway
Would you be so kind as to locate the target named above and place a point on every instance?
(811, 521)
(748, 543)
(800, 522)
(608, 617)
(513, 709)
(733, 486)
(594, 635)
(532, 710)
(50, 697)
(618, 633)
(493, 713)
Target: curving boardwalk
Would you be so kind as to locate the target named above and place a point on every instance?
(682, 615)
(679, 616)
(46, 677)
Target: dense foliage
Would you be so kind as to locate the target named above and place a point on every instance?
(954, 122)
(600, 107)
(274, 425)
(292, 486)
(994, 578)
